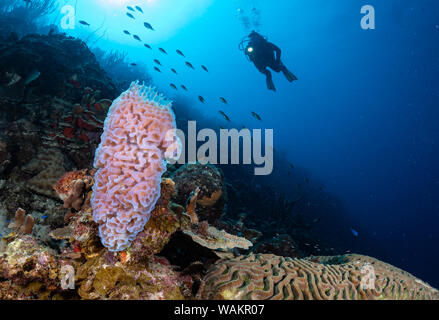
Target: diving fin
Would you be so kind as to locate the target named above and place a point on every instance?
(270, 84)
(289, 75)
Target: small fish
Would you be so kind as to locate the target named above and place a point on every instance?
(44, 217)
(147, 46)
(139, 9)
(162, 51)
(34, 75)
(354, 232)
(134, 64)
(201, 99)
(130, 8)
(127, 32)
(14, 78)
(173, 70)
(179, 52)
(317, 220)
(306, 180)
(157, 69)
(224, 115)
(292, 166)
(189, 65)
(173, 86)
(204, 68)
(137, 37)
(84, 23)
(183, 87)
(257, 116)
(130, 15)
(158, 62)
(223, 100)
(148, 26)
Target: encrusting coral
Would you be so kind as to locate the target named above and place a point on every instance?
(139, 135)
(31, 270)
(348, 277)
(101, 279)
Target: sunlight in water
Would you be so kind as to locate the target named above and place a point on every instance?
(116, 3)
(167, 16)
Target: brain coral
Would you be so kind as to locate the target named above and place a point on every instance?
(139, 136)
(266, 276)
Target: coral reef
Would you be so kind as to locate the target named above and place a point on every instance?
(139, 135)
(158, 230)
(210, 181)
(73, 188)
(130, 230)
(47, 167)
(281, 245)
(266, 276)
(23, 223)
(32, 272)
(5, 156)
(123, 281)
(239, 228)
(23, 16)
(62, 64)
(212, 238)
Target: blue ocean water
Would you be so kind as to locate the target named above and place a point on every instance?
(361, 123)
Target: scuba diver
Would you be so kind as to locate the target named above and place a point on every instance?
(265, 55)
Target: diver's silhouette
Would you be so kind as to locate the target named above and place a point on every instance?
(265, 55)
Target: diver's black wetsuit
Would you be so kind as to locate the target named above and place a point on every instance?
(265, 55)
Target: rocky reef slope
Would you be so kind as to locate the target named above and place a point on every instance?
(53, 101)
